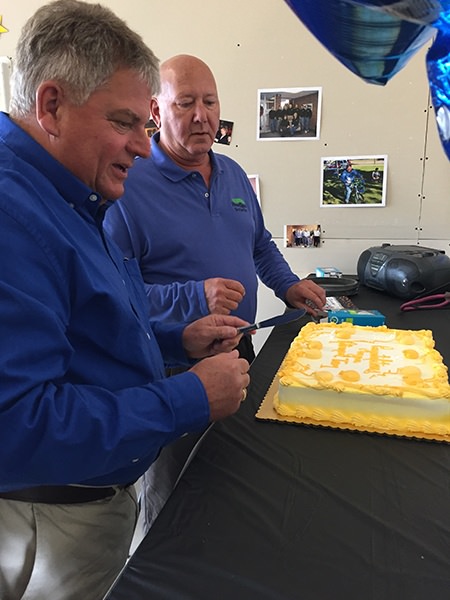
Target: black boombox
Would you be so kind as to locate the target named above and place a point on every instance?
(404, 271)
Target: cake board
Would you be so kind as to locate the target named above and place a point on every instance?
(266, 412)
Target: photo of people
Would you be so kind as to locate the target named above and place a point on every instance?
(150, 127)
(302, 236)
(353, 181)
(223, 135)
(289, 114)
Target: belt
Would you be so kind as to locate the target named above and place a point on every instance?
(59, 494)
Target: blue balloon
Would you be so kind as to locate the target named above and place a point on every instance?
(376, 38)
(417, 11)
(372, 44)
(438, 67)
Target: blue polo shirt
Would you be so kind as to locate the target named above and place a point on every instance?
(83, 398)
(182, 233)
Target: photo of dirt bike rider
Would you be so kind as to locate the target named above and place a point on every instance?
(354, 184)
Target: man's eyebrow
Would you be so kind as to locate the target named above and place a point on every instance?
(187, 97)
(123, 113)
(182, 97)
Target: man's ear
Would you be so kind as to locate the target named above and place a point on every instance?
(154, 111)
(49, 98)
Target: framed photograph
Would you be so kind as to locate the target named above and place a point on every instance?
(302, 236)
(254, 180)
(289, 114)
(353, 181)
(150, 127)
(223, 135)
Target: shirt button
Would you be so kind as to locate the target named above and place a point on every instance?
(93, 197)
(194, 175)
(206, 195)
(149, 336)
(135, 460)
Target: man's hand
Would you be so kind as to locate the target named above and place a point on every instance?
(304, 290)
(224, 378)
(223, 295)
(212, 335)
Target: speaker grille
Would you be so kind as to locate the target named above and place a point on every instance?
(402, 278)
(376, 262)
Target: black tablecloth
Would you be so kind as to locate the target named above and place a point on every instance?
(278, 511)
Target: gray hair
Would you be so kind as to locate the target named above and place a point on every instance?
(80, 45)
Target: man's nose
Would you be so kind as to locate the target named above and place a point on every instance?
(200, 112)
(140, 145)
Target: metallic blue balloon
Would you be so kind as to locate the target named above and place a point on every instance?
(376, 38)
(373, 44)
(438, 67)
(417, 11)
(437, 14)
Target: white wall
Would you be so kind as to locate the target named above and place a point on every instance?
(259, 44)
(5, 74)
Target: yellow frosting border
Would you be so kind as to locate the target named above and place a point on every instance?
(411, 427)
(266, 412)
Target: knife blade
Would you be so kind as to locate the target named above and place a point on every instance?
(286, 317)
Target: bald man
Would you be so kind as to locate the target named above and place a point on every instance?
(191, 219)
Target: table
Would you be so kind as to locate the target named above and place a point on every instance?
(274, 511)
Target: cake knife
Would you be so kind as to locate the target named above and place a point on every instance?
(286, 317)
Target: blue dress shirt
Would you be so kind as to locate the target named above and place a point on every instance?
(83, 398)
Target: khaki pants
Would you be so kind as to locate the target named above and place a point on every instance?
(64, 551)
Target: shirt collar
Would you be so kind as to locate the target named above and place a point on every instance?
(167, 166)
(72, 190)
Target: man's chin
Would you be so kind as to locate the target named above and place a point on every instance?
(200, 147)
(112, 193)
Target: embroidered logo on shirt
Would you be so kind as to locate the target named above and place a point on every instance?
(238, 204)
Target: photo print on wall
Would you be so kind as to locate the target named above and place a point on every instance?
(223, 135)
(150, 127)
(353, 181)
(287, 114)
(302, 236)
